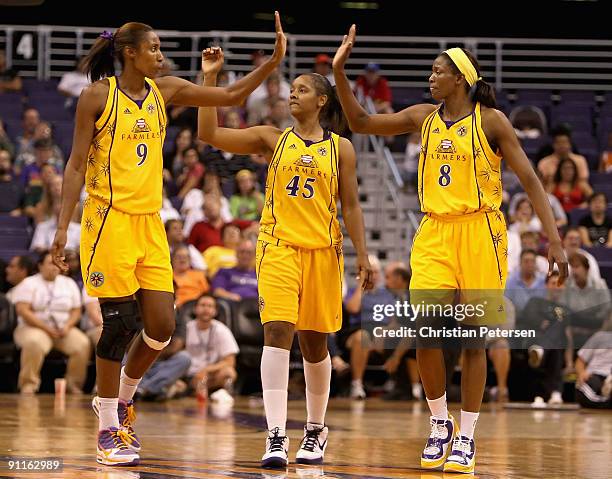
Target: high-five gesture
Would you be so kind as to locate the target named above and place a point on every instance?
(345, 48)
(280, 47)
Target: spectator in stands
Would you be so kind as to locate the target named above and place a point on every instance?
(189, 283)
(550, 318)
(596, 227)
(208, 233)
(260, 109)
(192, 174)
(357, 338)
(10, 81)
(525, 218)
(37, 186)
(45, 232)
(588, 298)
(43, 131)
(323, 66)
(279, 115)
(594, 370)
(11, 191)
(518, 243)
(239, 282)
(5, 140)
(43, 152)
(18, 269)
(92, 317)
(571, 192)
(233, 119)
(562, 148)
(572, 243)
(605, 161)
(410, 167)
(557, 209)
(168, 211)
(224, 256)
(375, 86)
(50, 200)
(248, 202)
(174, 233)
(258, 57)
(72, 83)
(158, 383)
(174, 161)
(73, 260)
(528, 121)
(212, 348)
(49, 309)
(30, 119)
(193, 210)
(525, 283)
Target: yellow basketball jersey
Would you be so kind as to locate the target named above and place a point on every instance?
(301, 193)
(458, 171)
(124, 163)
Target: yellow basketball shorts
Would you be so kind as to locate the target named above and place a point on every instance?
(462, 260)
(122, 253)
(300, 286)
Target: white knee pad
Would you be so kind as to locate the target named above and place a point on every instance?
(153, 343)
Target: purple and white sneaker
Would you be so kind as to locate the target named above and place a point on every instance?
(113, 449)
(462, 457)
(127, 418)
(277, 450)
(438, 444)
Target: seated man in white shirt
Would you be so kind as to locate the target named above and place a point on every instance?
(212, 348)
(44, 233)
(49, 309)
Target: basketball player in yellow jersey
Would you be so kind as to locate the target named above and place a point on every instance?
(117, 153)
(299, 253)
(461, 242)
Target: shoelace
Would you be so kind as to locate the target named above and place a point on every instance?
(462, 445)
(122, 438)
(130, 418)
(311, 439)
(276, 441)
(438, 430)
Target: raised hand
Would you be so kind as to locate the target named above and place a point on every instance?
(280, 47)
(212, 60)
(345, 48)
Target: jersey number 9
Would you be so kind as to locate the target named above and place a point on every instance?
(141, 151)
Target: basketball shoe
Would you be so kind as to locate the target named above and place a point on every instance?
(462, 457)
(312, 447)
(277, 450)
(113, 449)
(442, 434)
(127, 417)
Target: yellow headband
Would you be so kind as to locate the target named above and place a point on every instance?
(463, 63)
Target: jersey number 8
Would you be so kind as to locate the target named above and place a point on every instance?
(445, 178)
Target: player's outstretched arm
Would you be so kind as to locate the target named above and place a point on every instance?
(501, 130)
(90, 102)
(181, 92)
(405, 121)
(257, 139)
(351, 209)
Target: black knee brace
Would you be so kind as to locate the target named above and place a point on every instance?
(120, 322)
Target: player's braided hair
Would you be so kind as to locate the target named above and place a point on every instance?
(100, 61)
(481, 92)
(331, 116)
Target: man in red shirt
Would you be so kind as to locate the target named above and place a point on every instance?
(208, 232)
(375, 86)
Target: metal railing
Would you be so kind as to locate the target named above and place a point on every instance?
(46, 52)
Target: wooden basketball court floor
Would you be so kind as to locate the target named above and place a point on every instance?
(371, 439)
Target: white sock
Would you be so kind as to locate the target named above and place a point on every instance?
(108, 413)
(275, 381)
(357, 382)
(438, 407)
(127, 386)
(318, 377)
(468, 423)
